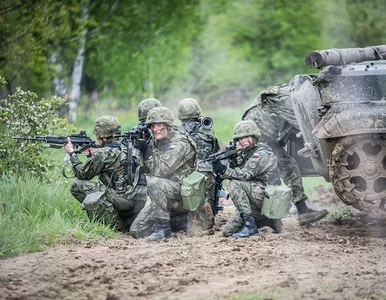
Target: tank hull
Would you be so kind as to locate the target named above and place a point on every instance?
(341, 114)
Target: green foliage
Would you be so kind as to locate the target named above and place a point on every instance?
(337, 214)
(34, 214)
(30, 33)
(128, 61)
(24, 114)
(367, 22)
(221, 52)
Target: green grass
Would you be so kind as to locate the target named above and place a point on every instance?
(309, 184)
(35, 214)
(224, 120)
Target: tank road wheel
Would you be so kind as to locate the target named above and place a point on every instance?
(358, 173)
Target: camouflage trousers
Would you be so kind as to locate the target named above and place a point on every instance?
(248, 198)
(166, 203)
(289, 171)
(209, 187)
(118, 210)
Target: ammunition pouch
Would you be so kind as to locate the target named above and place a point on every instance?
(98, 208)
(193, 191)
(277, 201)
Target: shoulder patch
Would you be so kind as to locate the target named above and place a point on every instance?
(256, 155)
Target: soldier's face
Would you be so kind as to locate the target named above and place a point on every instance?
(245, 141)
(159, 130)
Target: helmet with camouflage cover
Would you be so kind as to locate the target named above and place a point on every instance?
(107, 126)
(189, 109)
(246, 128)
(160, 115)
(145, 105)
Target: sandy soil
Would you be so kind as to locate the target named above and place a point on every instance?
(343, 259)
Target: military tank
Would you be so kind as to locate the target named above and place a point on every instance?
(341, 113)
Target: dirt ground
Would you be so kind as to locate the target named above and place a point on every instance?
(344, 259)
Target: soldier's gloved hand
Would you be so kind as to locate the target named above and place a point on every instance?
(144, 148)
(218, 167)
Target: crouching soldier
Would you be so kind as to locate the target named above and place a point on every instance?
(201, 131)
(255, 168)
(112, 200)
(172, 157)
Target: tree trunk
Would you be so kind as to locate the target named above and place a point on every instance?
(77, 71)
(59, 83)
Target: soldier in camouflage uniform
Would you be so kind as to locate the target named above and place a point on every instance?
(273, 113)
(256, 167)
(201, 131)
(118, 202)
(143, 108)
(172, 158)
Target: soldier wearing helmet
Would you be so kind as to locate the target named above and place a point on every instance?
(272, 112)
(143, 109)
(255, 167)
(112, 200)
(145, 106)
(172, 158)
(201, 131)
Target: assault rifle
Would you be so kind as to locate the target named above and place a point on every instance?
(139, 132)
(53, 141)
(130, 139)
(230, 153)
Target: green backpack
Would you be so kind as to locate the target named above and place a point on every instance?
(277, 201)
(193, 191)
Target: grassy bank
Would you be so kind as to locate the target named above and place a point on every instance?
(35, 214)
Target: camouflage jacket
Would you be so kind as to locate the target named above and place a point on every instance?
(257, 165)
(206, 143)
(173, 157)
(109, 164)
(272, 110)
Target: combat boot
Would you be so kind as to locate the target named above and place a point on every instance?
(249, 228)
(307, 215)
(275, 224)
(162, 230)
(310, 216)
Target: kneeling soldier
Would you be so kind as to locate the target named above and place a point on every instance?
(254, 169)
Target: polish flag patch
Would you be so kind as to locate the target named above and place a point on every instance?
(172, 147)
(256, 155)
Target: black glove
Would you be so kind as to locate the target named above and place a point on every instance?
(144, 148)
(142, 145)
(218, 167)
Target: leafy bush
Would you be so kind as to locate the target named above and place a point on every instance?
(24, 114)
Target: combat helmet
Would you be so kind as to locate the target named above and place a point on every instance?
(160, 115)
(107, 126)
(189, 109)
(145, 105)
(246, 128)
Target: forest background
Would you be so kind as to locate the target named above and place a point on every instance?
(105, 56)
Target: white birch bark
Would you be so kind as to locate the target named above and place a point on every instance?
(58, 81)
(77, 71)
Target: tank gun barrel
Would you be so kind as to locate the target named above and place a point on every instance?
(339, 57)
